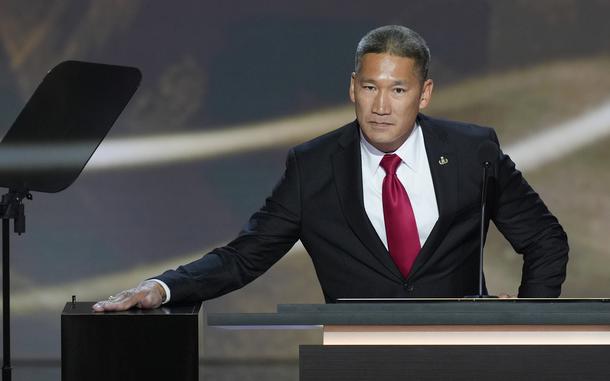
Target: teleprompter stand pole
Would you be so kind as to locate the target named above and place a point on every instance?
(6, 302)
(11, 208)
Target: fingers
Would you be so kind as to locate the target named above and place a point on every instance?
(121, 302)
(146, 296)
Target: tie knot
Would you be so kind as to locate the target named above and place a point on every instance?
(389, 163)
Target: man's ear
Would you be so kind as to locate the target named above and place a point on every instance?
(352, 84)
(426, 94)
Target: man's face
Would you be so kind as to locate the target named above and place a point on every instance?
(388, 94)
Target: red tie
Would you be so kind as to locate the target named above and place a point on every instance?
(400, 226)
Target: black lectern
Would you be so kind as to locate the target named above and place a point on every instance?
(159, 344)
(452, 339)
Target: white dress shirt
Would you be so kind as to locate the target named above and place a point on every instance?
(168, 293)
(414, 174)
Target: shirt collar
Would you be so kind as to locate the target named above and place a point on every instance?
(409, 152)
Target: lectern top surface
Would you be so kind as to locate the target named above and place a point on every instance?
(462, 306)
(477, 300)
(86, 308)
(429, 312)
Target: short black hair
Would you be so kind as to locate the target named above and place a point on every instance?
(396, 40)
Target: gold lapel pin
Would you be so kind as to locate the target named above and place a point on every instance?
(443, 160)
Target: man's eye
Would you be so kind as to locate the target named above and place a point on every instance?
(369, 88)
(399, 90)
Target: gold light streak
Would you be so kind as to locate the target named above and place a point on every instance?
(171, 148)
(36, 298)
(539, 149)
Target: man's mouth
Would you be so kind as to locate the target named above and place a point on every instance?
(380, 123)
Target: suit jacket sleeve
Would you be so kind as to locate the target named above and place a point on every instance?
(267, 236)
(523, 218)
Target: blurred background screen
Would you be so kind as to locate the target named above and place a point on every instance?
(228, 87)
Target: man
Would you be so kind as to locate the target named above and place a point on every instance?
(386, 206)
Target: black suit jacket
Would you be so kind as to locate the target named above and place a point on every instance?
(319, 201)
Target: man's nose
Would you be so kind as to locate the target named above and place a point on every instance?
(381, 105)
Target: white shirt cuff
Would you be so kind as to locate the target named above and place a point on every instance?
(165, 288)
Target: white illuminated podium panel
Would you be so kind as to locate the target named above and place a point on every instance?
(475, 322)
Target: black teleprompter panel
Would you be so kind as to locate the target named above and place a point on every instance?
(456, 363)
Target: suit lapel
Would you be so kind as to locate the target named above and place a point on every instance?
(444, 170)
(347, 169)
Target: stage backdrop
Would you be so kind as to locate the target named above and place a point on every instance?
(229, 86)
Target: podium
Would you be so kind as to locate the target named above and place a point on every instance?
(159, 344)
(453, 339)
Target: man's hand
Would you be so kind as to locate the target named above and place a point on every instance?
(146, 295)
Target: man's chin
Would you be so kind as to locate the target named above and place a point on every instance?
(378, 135)
(383, 143)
